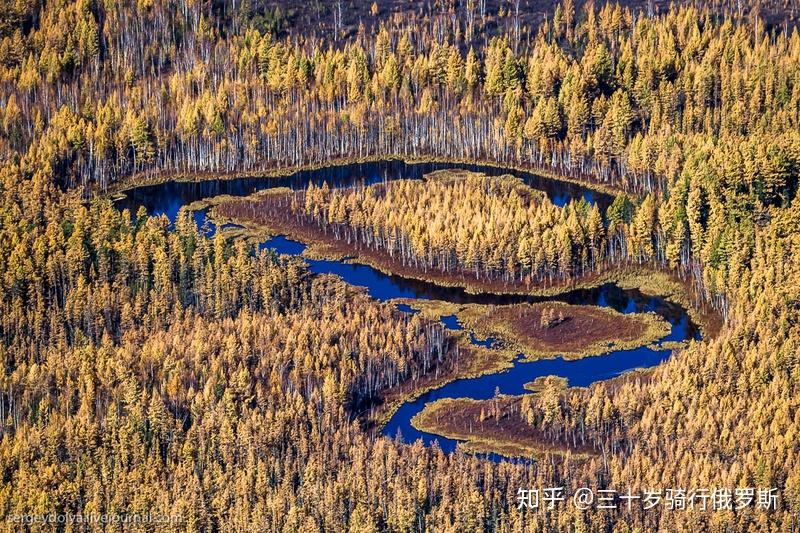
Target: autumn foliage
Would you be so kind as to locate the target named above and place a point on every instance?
(147, 367)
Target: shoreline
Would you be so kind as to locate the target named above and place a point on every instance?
(157, 178)
(440, 417)
(479, 361)
(648, 279)
(431, 420)
(517, 336)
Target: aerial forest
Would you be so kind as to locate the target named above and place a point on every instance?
(151, 366)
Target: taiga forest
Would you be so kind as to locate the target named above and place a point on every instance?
(400, 266)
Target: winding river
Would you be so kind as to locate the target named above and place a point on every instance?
(168, 198)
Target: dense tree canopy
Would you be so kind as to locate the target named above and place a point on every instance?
(149, 367)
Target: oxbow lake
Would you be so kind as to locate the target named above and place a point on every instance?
(169, 197)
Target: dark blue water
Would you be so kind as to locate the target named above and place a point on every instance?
(383, 287)
(168, 198)
(581, 372)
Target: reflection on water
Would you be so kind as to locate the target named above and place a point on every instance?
(168, 198)
(385, 287)
(581, 372)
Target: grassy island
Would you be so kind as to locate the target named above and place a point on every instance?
(490, 426)
(454, 228)
(549, 329)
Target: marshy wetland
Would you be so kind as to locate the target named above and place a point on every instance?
(510, 336)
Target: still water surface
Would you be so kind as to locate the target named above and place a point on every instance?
(168, 198)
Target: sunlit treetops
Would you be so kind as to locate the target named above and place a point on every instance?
(148, 368)
(605, 93)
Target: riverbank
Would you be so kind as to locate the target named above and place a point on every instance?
(497, 426)
(549, 329)
(320, 244)
(491, 426)
(470, 362)
(144, 179)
